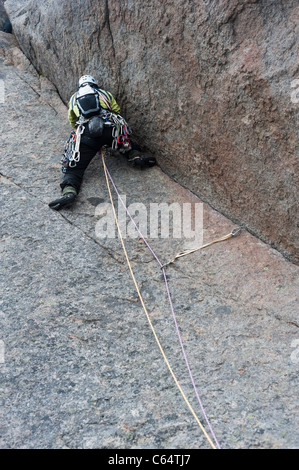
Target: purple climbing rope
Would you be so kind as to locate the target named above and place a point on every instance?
(171, 306)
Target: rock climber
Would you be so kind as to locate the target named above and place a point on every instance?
(95, 116)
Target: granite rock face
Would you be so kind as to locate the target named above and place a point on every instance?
(208, 86)
(79, 366)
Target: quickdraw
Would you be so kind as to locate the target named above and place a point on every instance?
(120, 133)
(120, 130)
(75, 156)
(68, 150)
(120, 136)
(71, 154)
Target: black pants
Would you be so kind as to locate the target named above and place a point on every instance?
(88, 149)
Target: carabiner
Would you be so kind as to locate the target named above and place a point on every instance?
(72, 163)
(235, 231)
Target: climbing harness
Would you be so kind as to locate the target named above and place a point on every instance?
(212, 444)
(90, 109)
(120, 128)
(88, 102)
(233, 233)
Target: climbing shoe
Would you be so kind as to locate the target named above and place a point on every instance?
(141, 161)
(69, 194)
(64, 201)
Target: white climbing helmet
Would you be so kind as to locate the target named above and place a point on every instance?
(87, 79)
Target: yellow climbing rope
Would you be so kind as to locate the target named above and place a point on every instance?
(146, 312)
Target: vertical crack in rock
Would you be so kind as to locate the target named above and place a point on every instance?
(117, 65)
(218, 112)
(78, 349)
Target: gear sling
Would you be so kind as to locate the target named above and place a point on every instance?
(95, 118)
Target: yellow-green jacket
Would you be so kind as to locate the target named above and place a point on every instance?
(74, 113)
